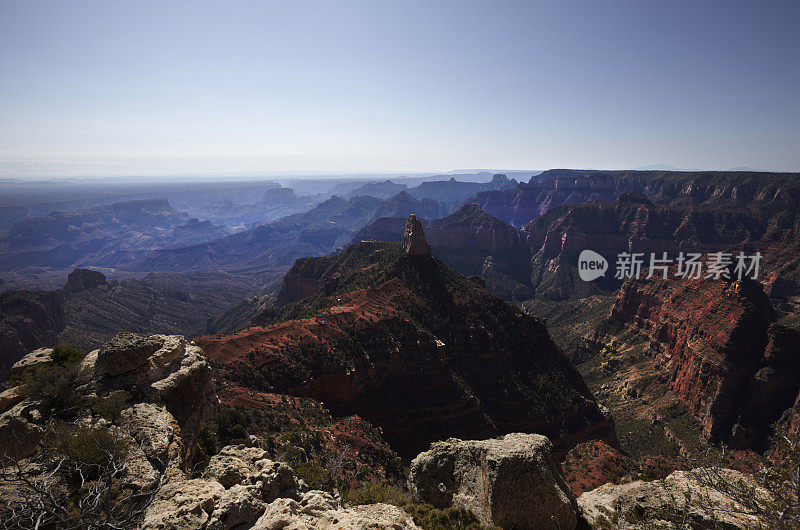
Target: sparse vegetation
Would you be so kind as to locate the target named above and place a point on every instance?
(81, 484)
(425, 515)
(64, 354)
(54, 387)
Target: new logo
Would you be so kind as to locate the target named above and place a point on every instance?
(591, 265)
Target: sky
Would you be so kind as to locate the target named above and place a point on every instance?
(109, 88)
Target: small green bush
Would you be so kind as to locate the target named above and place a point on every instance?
(376, 492)
(430, 518)
(84, 445)
(425, 515)
(207, 441)
(316, 475)
(111, 405)
(232, 427)
(54, 387)
(64, 354)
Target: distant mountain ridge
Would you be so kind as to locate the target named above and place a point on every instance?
(551, 188)
(73, 238)
(90, 309)
(325, 227)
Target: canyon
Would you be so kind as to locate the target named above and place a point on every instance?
(411, 346)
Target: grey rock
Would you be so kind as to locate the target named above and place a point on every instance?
(249, 466)
(237, 508)
(659, 503)
(512, 481)
(319, 510)
(9, 398)
(34, 358)
(127, 352)
(18, 436)
(183, 504)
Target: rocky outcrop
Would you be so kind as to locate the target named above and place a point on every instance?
(242, 488)
(82, 279)
(19, 435)
(414, 242)
(512, 482)
(720, 351)
(169, 372)
(318, 510)
(299, 282)
(183, 504)
(663, 503)
(249, 466)
(166, 391)
(34, 358)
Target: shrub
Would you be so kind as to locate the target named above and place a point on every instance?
(82, 483)
(207, 441)
(430, 518)
(425, 515)
(376, 492)
(54, 387)
(84, 446)
(64, 354)
(232, 427)
(111, 405)
(316, 475)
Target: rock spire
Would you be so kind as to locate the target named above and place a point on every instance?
(414, 242)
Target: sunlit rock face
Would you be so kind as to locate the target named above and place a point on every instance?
(414, 242)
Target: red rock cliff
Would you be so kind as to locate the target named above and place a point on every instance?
(724, 357)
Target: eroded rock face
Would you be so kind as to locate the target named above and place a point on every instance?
(163, 369)
(250, 466)
(496, 480)
(126, 352)
(34, 358)
(183, 504)
(166, 388)
(720, 351)
(241, 488)
(414, 242)
(662, 503)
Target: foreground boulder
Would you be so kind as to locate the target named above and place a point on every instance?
(242, 488)
(163, 386)
(663, 503)
(512, 482)
(318, 510)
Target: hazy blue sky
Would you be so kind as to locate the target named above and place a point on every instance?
(166, 87)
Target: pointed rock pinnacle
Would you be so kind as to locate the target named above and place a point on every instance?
(414, 242)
